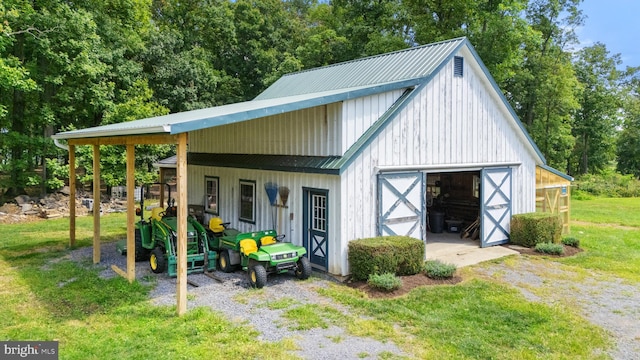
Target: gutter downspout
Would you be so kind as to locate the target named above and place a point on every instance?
(60, 145)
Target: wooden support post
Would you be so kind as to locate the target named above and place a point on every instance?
(72, 196)
(181, 292)
(96, 204)
(131, 214)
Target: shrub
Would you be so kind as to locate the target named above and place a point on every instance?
(609, 183)
(550, 248)
(436, 269)
(385, 282)
(400, 255)
(571, 241)
(533, 228)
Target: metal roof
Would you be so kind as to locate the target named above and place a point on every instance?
(227, 114)
(411, 63)
(292, 163)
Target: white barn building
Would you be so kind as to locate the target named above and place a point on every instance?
(369, 147)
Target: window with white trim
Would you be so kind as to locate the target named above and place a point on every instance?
(212, 191)
(248, 201)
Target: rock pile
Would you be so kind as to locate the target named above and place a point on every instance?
(52, 206)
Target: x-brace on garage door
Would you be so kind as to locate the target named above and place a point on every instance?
(495, 207)
(401, 204)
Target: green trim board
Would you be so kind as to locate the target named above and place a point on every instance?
(289, 163)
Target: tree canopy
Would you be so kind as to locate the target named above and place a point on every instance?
(67, 65)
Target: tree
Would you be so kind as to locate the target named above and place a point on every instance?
(597, 118)
(628, 144)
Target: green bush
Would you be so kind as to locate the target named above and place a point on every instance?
(571, 241)
(533, 228)
(436, 269)
(385, 282)
(400, 255)
(608, 184)
(550, 248)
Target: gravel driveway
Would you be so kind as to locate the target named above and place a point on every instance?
(607, 302)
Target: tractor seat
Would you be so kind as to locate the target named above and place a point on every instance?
(248, 246)
(216, 225)
(267, 240)
(156, 213)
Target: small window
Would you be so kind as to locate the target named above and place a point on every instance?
(247, 201)
(458, 66)
(212, 191)
(475, 191)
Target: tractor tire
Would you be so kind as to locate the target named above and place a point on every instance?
(158, 260)
(142, 254)
(224, 263)
(257, 276)
(303, 268)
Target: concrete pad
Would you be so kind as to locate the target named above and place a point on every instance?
(449, 248)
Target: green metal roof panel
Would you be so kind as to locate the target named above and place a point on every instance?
(411, 63)
(227, 114)
(292, 163)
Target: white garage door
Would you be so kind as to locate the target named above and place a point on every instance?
(401, 204)
(495, 207)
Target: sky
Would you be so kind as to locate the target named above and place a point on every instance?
(615, 23)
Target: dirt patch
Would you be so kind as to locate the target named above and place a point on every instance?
(409, 283)
(568, 251)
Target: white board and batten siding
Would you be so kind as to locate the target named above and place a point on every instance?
(309, 132)
(452, 123)
(229, 183)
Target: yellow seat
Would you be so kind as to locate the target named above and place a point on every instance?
(155, 213)
(215, 224)
(267, 240)
(248, 246)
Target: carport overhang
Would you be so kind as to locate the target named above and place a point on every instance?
(130, 141)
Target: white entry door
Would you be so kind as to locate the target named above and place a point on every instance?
(495, 207)
(401, 204)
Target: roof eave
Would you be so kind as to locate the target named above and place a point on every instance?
(82, 134)
(286, 107)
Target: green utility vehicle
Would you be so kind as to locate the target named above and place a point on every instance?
(259, 253)
(156, 239)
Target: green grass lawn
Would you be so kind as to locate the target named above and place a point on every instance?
(96, 318)
(617, 211)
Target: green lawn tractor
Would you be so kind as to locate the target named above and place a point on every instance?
(259, 253)
(156, 239)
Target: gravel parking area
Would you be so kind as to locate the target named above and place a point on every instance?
(243, 305)
(607, 302)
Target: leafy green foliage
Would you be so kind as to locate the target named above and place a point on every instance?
(571, 241)
(399, 255)
(533, 228)
(436, 269)
(609, 184)
(549, 248)
(385, 282)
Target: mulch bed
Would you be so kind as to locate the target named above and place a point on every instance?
(413, 281)
(568, 251)
(409, 283)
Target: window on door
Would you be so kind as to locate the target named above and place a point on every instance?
(212, 191)
(247, 201)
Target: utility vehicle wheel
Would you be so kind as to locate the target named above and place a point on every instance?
(142, 254)
(224, 263)
(158, 261)
(303, 268)
(257, 276)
